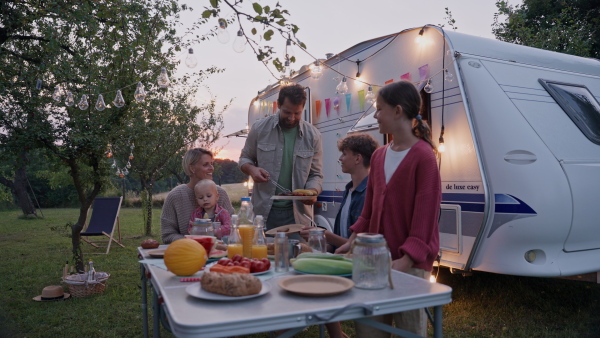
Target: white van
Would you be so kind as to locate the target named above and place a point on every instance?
(521, 130)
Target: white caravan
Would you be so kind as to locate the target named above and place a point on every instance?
(521, 130)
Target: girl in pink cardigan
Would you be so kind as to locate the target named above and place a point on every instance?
(403, 196)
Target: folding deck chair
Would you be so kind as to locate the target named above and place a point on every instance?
(105, 215)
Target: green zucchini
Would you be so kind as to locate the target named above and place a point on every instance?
(323, 266)
(320, 255)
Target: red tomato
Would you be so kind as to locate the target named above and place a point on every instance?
(230, 263)
(224, 261)
(245, 264)
(236, 258)
(267, 262)
(253, 266)
(236, 263)
(260, 267)
(245, 259)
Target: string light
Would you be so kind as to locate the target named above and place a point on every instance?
(316, 70)
(119, 101)
(428, 87)
(83, 103)
(342, 87)
(70, 100)
(140, 93)
(441, 146)
(222, 33)
(370, 96)
(289, 50)
(56, 95)
(239, 44)
(100, 105)
(163, 78)
(191, 60)
(448, 76)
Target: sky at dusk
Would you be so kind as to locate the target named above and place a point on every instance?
(326, 26)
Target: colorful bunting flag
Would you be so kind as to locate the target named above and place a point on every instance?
(348, 101)
(406, 77)
(389, 81)
(336, 104)
(318, 108)
(424, 72)
(361, 99)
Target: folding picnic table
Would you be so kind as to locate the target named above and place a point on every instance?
(278, 309)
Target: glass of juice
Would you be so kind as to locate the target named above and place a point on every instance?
(259, 251)
(246, 233)
(235, 249)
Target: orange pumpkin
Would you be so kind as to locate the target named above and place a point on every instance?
(185, 257)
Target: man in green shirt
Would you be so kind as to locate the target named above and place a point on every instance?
(288, 150)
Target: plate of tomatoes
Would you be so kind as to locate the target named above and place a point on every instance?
(256, 266)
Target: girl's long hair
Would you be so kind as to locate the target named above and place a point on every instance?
(404, 94)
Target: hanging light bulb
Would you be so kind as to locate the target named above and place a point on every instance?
(128, 165)
(163, 78)
(140, 93)
(191, 60)
(131, 156)
(118, 101)
(83, 103)
(222, 33)
(419, 38)
(70, 100)
(286, 69)
(114, 164)
(441, 145)
(289, 50)
(317, 70)
(125, 172)
(448, 76)
(432, 278)
(56, 95)
(239, 44)
(370, 96)
(100, 105)
(109, 154)
(428, 87)
(342, 87)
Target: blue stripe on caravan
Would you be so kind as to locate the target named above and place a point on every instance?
(457, 197)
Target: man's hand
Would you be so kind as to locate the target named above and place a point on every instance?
(343, 249)
(304, 232)
(402, 264)
(258, 174)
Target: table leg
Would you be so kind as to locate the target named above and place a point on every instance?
(144, 301)
(155, 314)
(437, 324)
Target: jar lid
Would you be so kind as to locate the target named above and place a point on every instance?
(280, 235)
(316, 230)
(370, 238)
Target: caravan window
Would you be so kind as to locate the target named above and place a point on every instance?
(581, 106)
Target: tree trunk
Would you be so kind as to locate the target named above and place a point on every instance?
(146, 197)
(18, 187)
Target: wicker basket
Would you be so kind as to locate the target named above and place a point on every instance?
(80, 287)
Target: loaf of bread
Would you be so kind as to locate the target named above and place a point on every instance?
(305, 248)
(270, 248)
(231, 284)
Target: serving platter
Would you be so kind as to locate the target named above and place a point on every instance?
(292, 198)
(158, 253)
(195, 290)
(316, 285)
(288, 229)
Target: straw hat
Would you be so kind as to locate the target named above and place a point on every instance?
(52, 292)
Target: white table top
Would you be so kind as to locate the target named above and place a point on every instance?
(279, 309)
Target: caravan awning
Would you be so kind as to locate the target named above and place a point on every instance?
(241, 133)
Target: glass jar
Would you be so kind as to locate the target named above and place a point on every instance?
(234, 242)
(203, 227)
(316, 240)
(371, 261)
(282, 257)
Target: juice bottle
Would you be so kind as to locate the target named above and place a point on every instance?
(234, 244)
(259, 243)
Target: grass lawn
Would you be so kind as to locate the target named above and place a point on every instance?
(33, 253)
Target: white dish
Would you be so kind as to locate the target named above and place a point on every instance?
(292, 198)
(196, 291)
(316, 285)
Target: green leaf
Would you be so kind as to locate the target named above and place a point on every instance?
(295, 29)
(206, 14)
(267, 9)
(253, 31)
(214, 3)
(281, 22)
(257, 8)
(268, 34)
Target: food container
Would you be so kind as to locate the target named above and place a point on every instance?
(371, 261)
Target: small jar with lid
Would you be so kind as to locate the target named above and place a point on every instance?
(203, 227)
(371, 261)
(316, 240)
